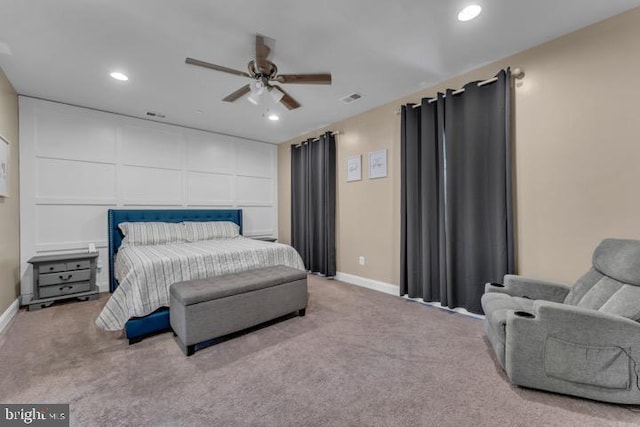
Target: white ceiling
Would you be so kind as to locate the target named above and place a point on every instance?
(64, 50)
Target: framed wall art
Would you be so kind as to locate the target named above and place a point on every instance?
(378, 164)
(354, 168)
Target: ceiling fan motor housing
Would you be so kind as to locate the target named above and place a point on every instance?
(258, 74)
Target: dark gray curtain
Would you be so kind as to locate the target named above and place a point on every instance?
(300, 212)
(479, 215)
(457, 230)
(422, 196)
(313, 203)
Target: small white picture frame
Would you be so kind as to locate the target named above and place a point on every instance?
(378, 164)
(4, 167)
(354, 168)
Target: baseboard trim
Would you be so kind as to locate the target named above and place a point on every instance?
(390, 289)
(103, 287)
(458, 310)
(9, 314)
(363, 282)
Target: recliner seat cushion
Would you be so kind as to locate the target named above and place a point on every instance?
(496, 306)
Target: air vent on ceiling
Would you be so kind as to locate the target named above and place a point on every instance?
(350, 98)
(156, 115)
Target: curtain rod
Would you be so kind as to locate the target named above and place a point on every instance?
(314, 139)
(480, 84)
(517, 74)
(332, 133)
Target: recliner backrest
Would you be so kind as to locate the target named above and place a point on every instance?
(613, 284)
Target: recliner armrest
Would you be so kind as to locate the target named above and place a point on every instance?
(524, 287)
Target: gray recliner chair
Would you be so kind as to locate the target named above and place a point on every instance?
(582, 340)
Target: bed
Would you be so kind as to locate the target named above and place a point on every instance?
(140, 276)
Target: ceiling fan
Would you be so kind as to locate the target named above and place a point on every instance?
(263, 74)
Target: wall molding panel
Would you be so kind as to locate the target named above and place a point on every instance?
(76, 163)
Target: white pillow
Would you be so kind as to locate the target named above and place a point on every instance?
(152, 233)
(211, 230)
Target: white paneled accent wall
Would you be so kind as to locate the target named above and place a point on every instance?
(76, 163)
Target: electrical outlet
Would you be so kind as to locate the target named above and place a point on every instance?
(361, 260)
(92, 247)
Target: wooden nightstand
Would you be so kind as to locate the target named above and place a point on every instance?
(59, 277)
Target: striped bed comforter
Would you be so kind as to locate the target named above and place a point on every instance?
(145, 273)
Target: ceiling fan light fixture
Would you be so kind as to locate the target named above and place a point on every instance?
(470, 12)
(257, 87)
(254, 98)
(276, 94)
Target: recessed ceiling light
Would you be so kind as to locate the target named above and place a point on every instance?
(119, 76)
(469, 12)
(273, 117)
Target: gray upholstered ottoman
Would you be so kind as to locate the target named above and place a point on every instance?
(210, 308)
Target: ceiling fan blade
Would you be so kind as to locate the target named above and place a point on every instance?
(216, 67)
(309, 79)
(237, 94)
(262, 52)
(287, 100)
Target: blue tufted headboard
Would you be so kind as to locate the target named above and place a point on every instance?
(117, 216)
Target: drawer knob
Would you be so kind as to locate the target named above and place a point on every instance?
(62, 288)
(65, 278)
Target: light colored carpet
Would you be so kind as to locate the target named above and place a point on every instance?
(359, 358)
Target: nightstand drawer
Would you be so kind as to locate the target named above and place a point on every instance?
(52, 267)
(78, 265)
(64, 277)
(57, 290)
